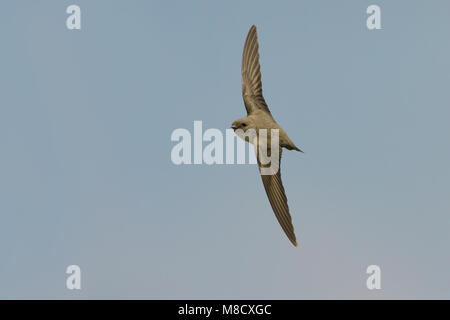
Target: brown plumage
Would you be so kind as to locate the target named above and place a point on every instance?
(259, 117)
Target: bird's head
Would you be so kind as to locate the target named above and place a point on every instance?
(244, 128)
(244, 124)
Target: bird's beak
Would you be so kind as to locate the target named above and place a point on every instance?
(233, 127)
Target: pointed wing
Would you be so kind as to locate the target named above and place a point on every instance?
(278, 201)
(251, 75)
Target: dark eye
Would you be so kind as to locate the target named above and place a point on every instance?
(244, 124)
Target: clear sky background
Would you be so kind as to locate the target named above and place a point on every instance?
(85, 170)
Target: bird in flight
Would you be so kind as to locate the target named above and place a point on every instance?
(259, 117)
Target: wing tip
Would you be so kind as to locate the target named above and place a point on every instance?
(293, 241)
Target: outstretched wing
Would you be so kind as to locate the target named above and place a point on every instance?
(278, 201)
(251, 75)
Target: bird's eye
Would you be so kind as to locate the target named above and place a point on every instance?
(244, 124)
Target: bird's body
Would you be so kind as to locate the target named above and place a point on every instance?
(262, 120)
(258, 118)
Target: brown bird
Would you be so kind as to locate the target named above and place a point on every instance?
(259, 117)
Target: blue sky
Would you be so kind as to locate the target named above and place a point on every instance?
(86, 178)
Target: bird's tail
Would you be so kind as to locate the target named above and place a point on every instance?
(294, 147)
(297, 149)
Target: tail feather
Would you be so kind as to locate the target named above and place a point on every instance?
(297, 149)
(293, 147)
